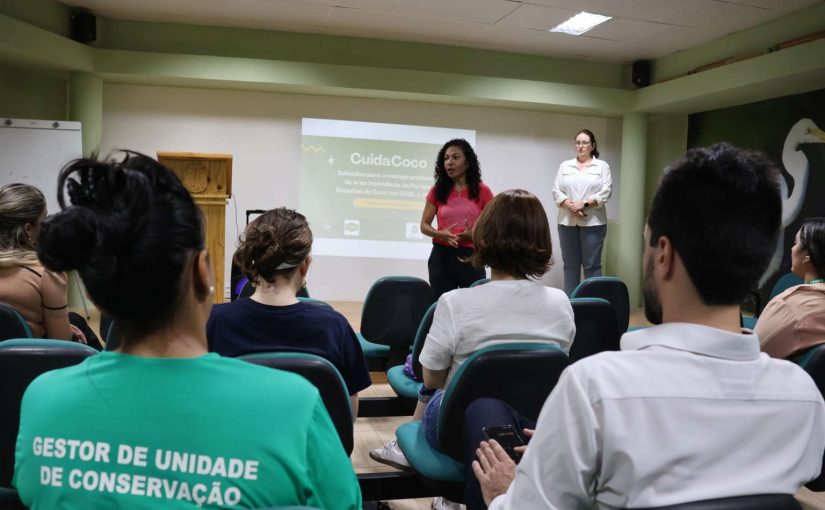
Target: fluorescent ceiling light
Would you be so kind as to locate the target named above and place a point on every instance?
(580, 23)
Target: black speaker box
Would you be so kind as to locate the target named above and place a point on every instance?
(640, 76)
(83, 26)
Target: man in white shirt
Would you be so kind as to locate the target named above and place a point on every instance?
(688, 410)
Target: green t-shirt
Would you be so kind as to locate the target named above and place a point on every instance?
(120, 431)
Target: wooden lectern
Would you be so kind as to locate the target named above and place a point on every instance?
(208, 177)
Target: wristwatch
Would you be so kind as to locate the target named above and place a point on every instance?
(586, 204)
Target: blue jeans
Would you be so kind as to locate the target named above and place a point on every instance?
(430, 420)
(485, 412)
(581, 248)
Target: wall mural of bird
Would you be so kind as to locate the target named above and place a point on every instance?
(795, 197)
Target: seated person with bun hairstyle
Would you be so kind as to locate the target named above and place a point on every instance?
(274, 255)
(161, 422)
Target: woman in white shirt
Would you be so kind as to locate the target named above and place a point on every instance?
(512, 237)
(582, 187)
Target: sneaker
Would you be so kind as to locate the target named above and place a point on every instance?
(391, 455)
(440, 503)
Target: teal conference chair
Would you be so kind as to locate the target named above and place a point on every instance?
(596, 328)
(12, 324)
(324, 376)
(782, 284)
(613, 290)
(403, 386)
(520, 373)
(390, 318)
(21, 361)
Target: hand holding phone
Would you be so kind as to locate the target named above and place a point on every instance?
(507, 437)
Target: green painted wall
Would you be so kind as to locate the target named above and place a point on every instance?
(36, 58)
(666, 142)
(744, 42)
(30, 94)
(46, 14)
(350, 51)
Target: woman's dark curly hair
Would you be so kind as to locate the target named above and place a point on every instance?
(275, 243)
(443, 183)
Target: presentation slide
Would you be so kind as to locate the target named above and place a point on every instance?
(363, 185)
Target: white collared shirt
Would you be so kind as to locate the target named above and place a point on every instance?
(683, 413)
(467, 320)
(591, 183)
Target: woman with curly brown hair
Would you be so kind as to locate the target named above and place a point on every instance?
(455, 200)
(274, 254)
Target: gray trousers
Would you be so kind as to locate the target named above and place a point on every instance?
(581, 248)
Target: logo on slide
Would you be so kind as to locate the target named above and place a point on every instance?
(352, 227)
(413, 231)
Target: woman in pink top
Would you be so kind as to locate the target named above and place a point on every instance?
(455, 201)
(794, 320)
(39, 295)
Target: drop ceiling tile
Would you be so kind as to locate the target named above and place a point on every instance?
(620, 29)
(364, 23)
(784, 5)
(481, 11)
(727, 18)
(662, 11)
(535, 42)
(536, 17)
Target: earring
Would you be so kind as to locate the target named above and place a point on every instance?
(211, 289)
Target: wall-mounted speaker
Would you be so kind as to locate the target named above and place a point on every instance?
(640, 75)
(83, 26)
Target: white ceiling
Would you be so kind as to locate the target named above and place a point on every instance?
(640, 29)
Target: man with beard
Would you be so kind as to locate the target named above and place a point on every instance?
(688, 410)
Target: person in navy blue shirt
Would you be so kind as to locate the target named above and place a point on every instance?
(274, 255)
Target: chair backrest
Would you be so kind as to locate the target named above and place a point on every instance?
(520, 373)
(611, 289)
(324, 376)
(314, 301)
(420, 338)
(481, 281)
(813, 362)
(21, 361)
(596, 328)
(12, 324)
(393, 310)
(755, 502)
(784, 283)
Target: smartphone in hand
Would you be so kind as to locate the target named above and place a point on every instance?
(507, 437)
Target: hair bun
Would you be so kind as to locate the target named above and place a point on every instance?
(66, 239)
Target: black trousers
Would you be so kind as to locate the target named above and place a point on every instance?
(447, 272)
(80, 323)
(485, 412)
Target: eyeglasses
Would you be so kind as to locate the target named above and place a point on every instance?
(582, 144)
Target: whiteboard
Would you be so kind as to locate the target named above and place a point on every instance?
(34, 151)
